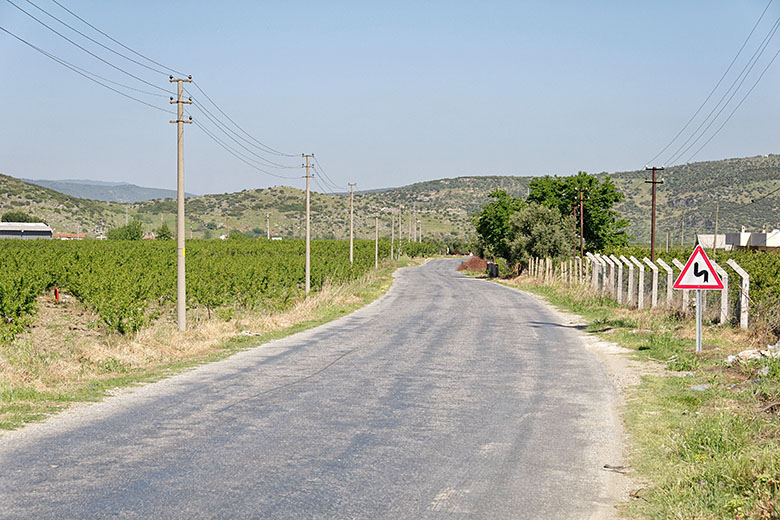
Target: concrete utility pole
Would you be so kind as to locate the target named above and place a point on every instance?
(308, 176)
(376, 242)
(181, 285)
(652, 219)
(582, 232)
(351, 222)
(268, 226)
(419, 231)
(392, 235)
(667, 240)
(682, 231)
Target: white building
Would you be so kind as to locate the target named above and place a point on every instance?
(25, 230)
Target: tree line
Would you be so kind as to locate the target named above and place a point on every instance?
(547, 222)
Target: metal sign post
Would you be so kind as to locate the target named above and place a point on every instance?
(698, 320)
(698, 274)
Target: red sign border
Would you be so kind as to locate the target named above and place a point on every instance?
(677, 284)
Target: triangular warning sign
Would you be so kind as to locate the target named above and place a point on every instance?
(698, 273)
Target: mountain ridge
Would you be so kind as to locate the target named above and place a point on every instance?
(745, 191)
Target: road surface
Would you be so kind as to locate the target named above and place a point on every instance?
(449, 397)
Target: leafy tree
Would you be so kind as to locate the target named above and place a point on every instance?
(537, 230)
(19, 216)
(603, 226)
(236, 235)
(133, 231)
(164, 232)
(492, 223)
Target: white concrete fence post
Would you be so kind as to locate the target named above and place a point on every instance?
(679, 265)
(669, 281)
(640, 295)
(724, 293)
(594, 266)
(619, 283)
(744, 293)
(630, 293)
(654, 268)
(612, 276)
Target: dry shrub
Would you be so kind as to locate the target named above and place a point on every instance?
(474, 264)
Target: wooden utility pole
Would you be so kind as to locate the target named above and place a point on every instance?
(419, 231)
(715, 236)
(667, 240)
(181, 285)
(682, 231)
(268, 226)
(652, 218)
(308, 176)
(351, 222)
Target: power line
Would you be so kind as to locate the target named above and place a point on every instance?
(88, 75)
(325, 175)
(753, 201)
(235, 153)
(86, 50)
(117, 41)
(736, 107)
(268, 148)
(732, 90)
(95, 41)
(227, 131)
(723, 76)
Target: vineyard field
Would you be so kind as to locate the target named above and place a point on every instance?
(128, 284)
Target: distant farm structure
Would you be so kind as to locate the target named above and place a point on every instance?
(25, 230)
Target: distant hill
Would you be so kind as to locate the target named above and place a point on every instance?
(444, 206)
(105, 191)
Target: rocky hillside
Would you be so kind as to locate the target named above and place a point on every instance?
(443, 206)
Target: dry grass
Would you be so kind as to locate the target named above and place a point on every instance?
(67, 350)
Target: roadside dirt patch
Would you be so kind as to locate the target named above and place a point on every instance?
(473, 264)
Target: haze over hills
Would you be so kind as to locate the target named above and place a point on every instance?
(105, 191)
(443, 206)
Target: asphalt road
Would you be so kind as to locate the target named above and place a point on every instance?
(449, 397)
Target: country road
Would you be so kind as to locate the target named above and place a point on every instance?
(449, 397)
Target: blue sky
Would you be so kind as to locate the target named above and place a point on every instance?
(385, 94)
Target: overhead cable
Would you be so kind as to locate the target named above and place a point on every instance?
(238, 155)
(268, 148)
(153, 69)
(89, 75)
(736, 107)
(723, 76)
(118, 42)
(55, 31)
(730, 93)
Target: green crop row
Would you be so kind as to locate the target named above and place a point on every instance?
(128, 283)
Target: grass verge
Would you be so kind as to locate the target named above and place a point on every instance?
(704, 437)
(64, 359)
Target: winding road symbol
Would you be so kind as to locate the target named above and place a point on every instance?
(701, 273)
(698, 273)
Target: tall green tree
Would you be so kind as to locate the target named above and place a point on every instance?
(19, 216)
(492, 224)
(132, 231)
(603, 226)
(164, 232)
(537, 230)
